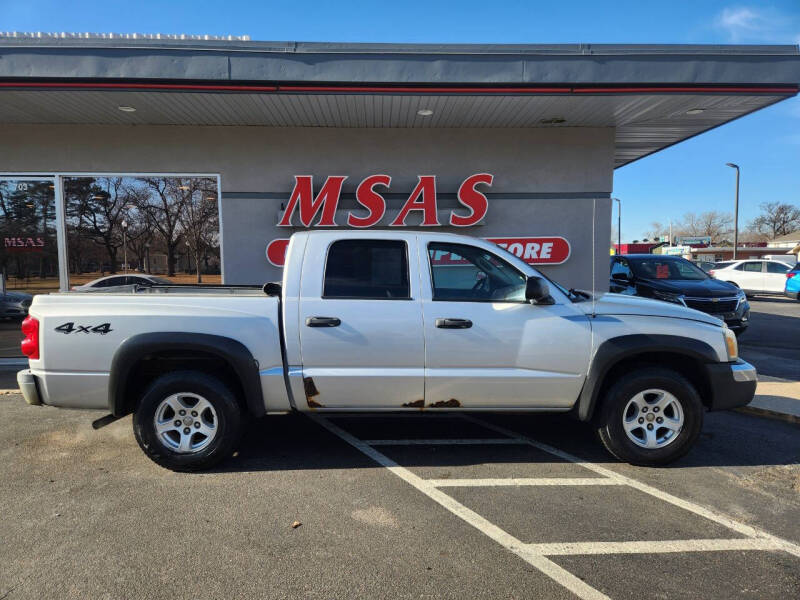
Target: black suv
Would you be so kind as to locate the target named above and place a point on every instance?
(675, 279)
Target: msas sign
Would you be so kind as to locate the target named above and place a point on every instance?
(422, 201)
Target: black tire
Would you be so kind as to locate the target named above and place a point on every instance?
(224, 403)
(610, 419)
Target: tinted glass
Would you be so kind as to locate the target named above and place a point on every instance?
(776, 267)
(110, 282)
(751, 267)
(621, 266)
(468, 273)
(374, 269)
(666, 268)
(722, 265)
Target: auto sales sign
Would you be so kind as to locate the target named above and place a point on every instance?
(320, 210)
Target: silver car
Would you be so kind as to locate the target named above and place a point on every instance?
(14, 305)
(117, 282)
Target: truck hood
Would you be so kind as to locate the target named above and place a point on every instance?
(622, 304)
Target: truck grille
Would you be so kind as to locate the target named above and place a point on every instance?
(712, 305)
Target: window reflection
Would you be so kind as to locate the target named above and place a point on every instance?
(28, 252)
(161, 226)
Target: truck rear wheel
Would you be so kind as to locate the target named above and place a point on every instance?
(650, 417)
(187, 421)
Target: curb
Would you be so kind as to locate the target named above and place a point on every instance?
(769, 414)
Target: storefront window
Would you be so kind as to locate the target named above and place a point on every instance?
(142, 230)
(28, 254)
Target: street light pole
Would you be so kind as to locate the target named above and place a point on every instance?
(124, 246)
(619, 224)
(735, 211)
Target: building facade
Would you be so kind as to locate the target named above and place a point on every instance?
(544, 125)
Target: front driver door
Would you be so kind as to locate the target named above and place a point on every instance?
(360, 322)
(485, 346)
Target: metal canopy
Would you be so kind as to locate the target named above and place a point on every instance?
(653, 95)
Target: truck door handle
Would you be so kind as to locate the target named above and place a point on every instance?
(453, 323)
(323, 322)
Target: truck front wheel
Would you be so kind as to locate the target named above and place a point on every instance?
(649, 417)
(187, 421)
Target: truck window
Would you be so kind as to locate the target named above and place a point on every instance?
(470, 274)
(367, 269)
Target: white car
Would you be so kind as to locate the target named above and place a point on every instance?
(753, 276)
(386, 321)
(113, 281)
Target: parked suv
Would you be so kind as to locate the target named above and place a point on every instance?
(675, 279)
(753, 276)
(792, 289)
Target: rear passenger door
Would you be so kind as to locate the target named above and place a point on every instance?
(775, 277)
(361, 334)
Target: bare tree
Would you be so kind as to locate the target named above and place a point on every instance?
(657, 230)
(96, 208)
(199, 219)
(776, 219)
(166, 204)
(715, 224)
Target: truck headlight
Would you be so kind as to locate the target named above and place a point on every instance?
(731, 344)
(668, 297)
(740, 297)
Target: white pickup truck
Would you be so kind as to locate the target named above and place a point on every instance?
(382, 321)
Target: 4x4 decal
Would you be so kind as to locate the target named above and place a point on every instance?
(71, 327)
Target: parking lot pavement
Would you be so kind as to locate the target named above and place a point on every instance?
(772, 342)
(86, 514)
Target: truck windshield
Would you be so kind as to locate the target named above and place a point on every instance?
(666, 268)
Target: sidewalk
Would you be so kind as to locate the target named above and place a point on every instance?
(776, 399)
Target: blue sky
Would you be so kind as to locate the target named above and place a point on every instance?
(691, 176)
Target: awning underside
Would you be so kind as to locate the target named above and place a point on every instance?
(644, 122)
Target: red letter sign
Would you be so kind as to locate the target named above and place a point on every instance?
(303, 193)
(371, 200)
(536, 250)
(426, 189)
(475, 201)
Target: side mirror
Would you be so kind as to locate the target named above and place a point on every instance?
(620, 276)
(273, 288)
(537, 291)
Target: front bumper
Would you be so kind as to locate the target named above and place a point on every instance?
(739, 319)
(29, 387)
(731, 384)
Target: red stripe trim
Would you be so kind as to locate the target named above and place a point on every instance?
(429, 90)
(402, 90)
(683, 90)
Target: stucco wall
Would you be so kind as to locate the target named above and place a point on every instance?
(545, 178)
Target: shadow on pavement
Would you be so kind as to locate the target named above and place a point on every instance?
(292, 442)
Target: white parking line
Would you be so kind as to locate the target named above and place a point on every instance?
(446, 442)
(536, 554)
(724, 520)
(512, 481)
(543, 564)
(652, 547)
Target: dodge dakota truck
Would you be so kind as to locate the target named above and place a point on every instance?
(382, 321)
